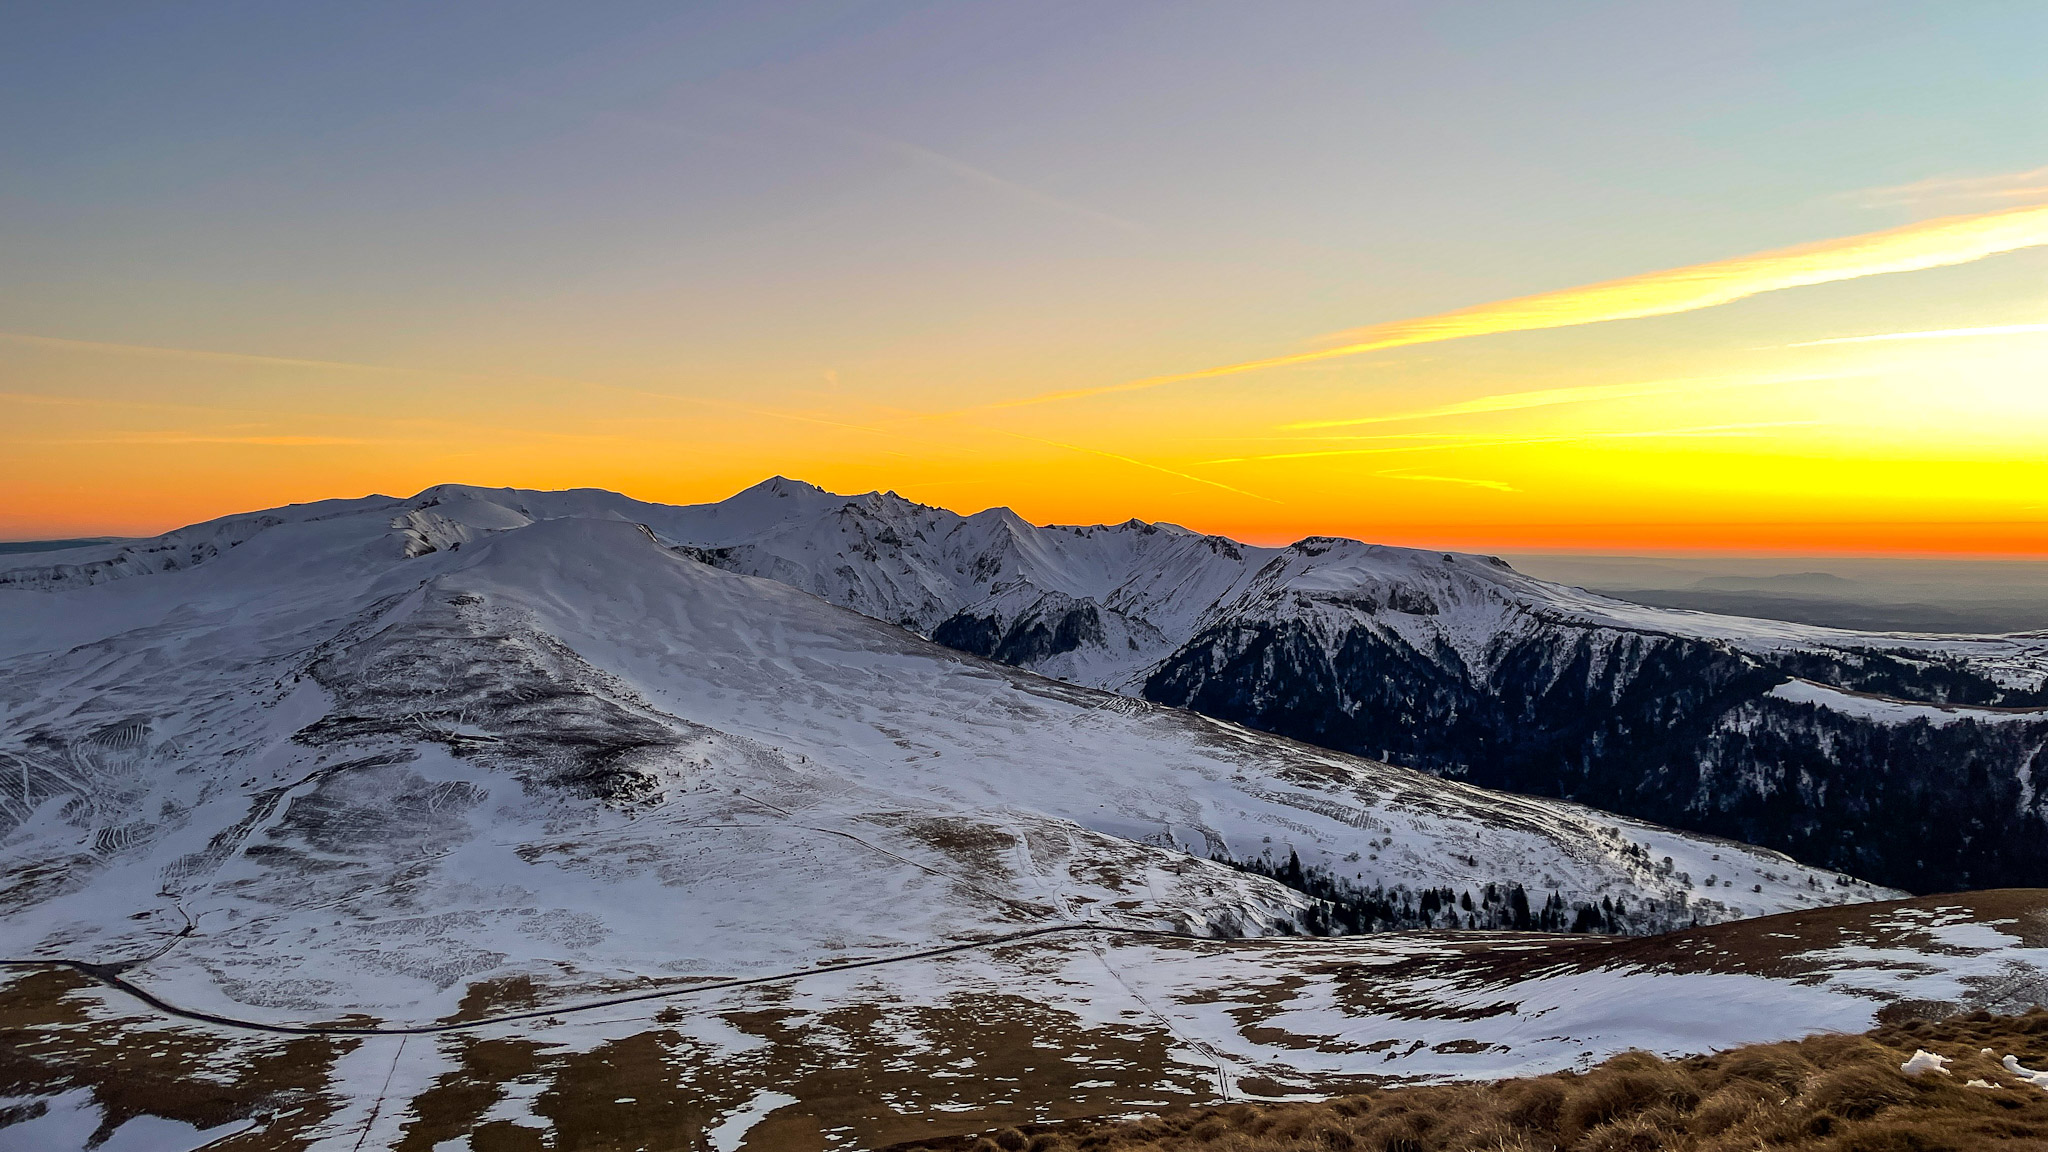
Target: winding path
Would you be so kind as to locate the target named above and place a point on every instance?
(110, 976)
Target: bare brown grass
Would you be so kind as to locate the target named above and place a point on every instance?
(1831, 1093)
(52, 1040)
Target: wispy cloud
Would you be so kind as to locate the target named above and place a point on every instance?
(1444, 443)
(1959, 190)
(46, 400)
(1551, 397)
(925, 157)
(1495, 485)
(210, 356)
(200, 438)
(202, 354)
(1132, 460)
(1933, 334)
(1506, 402)
(1929, 244)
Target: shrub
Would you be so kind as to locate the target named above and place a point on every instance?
(1535, 1104)
(1858, 1092)
(1826, 1093)
(1607, 1096)
(1775, 1064)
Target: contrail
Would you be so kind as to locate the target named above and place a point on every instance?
(1935, 334)
(1495, 485)
(919, 154)
(208, 355)
(1550, 397)
(2006, 186)
(1133, 461)
(1707, 431)
(175, 438)
(195, 354)
(1936, 243)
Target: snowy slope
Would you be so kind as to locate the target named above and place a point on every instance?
(1062, 1025)
(1912, 759)
(373, 756)
(1461, 666)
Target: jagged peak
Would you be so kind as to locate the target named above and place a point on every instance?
(780, 485)
(891, 502)
(453, 488)
(1134, 525)
(1002, 516)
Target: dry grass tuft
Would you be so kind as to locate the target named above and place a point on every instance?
(1821, 1094)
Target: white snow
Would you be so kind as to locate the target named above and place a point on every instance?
(1307, 1016)
(66, 1123)
(1924, 1061)
(803, 785)
(727, 1134)
(295, 766)
(1885, 710)
(2026, 1075)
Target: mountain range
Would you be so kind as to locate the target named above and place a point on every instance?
(1911, 759)
(233, 756)
(538, 778)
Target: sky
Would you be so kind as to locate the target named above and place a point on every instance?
(1587, 277)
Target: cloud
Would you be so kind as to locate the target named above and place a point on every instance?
(1935, 334)
(1132, 461)
(1508, 402)
(1550, 397)
(47, 400)
(204, 355)
(186, 353)
(184, 438)
(1446, 442)
(1929, 244)
(1495, 485)
(927, 158)
(2003, 188)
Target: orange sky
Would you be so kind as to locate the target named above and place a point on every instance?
(1684, 281)
(1703, 428)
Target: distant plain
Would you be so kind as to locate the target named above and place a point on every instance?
(1875, 593)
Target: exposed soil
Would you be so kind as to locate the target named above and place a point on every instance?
(869, 1069)
(55, 1037)
(1825, 1094)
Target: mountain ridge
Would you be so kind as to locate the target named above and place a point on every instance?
(1457, 665)
(1462, 666)
(359, 757)
(514, 813)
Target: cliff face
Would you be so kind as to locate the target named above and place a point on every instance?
(1910, 759)
(1915, 760)
(1675, 729)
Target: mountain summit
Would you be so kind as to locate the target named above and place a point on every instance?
(406, 817)
(1906, 758)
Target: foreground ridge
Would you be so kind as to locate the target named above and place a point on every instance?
(1878, 1090)
(1059, 1026)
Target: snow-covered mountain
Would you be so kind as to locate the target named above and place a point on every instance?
(391, 822)
(368, 756)
(1912, 759)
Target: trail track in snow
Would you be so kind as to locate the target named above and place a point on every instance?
(110, 976)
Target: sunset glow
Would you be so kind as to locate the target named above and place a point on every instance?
(651, 268)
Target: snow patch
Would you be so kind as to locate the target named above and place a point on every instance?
(1884, 710)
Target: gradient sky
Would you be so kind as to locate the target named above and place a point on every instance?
(1626, 277)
